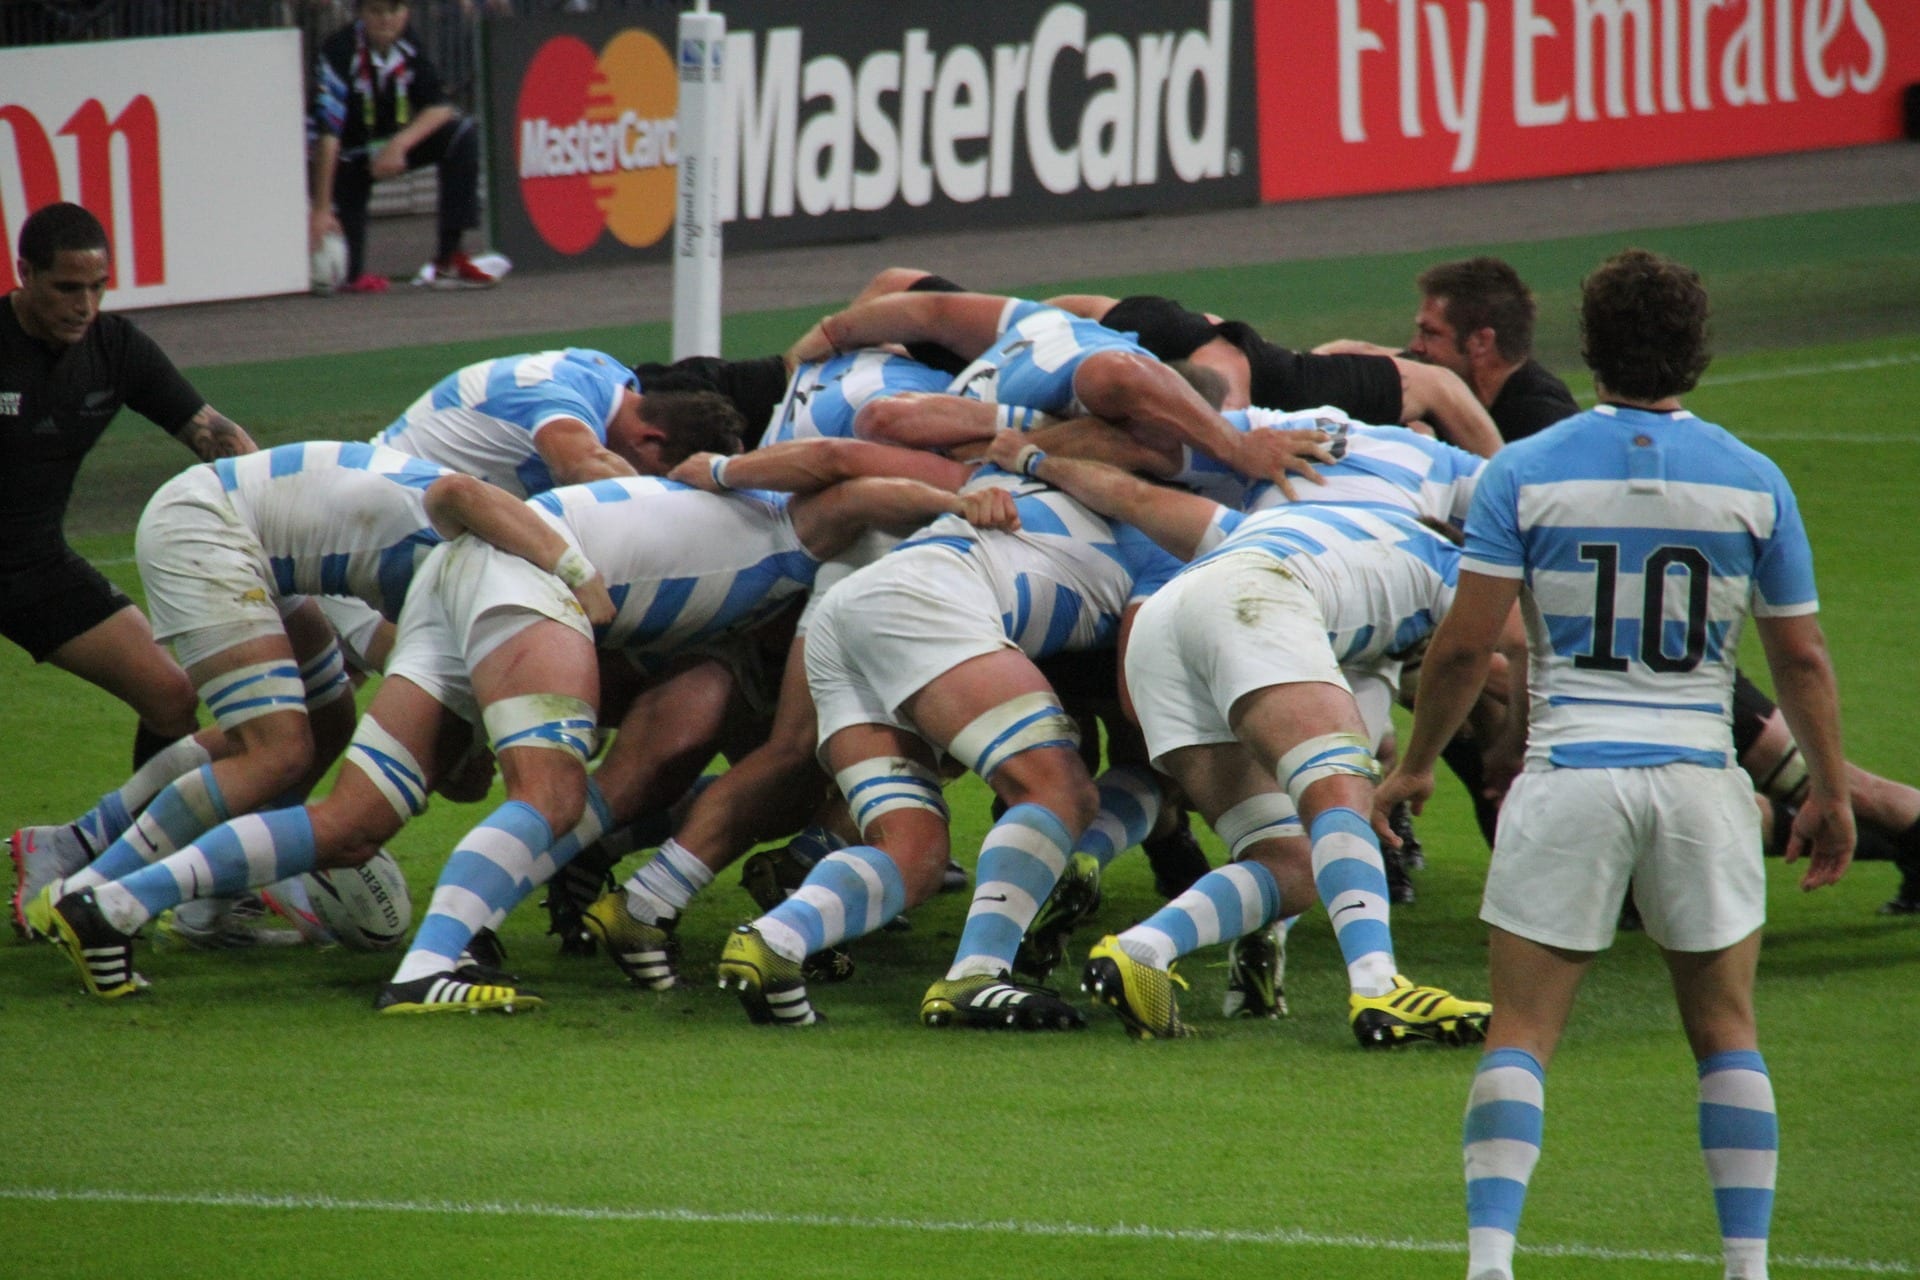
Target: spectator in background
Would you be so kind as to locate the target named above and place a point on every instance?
(379, 110)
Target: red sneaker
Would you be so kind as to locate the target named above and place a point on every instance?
(364, 284)
(458, 272)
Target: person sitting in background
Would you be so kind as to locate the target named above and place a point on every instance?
(379, 111)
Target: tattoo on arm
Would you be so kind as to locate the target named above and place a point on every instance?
(212, 435)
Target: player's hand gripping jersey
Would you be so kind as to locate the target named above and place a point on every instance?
(1386, 466)
(823, 396)
(682, 566)
(482, 420)
(1646, 538)
(1064, 578)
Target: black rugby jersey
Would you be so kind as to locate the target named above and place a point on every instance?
(54, 403)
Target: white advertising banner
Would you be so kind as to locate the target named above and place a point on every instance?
(190, 149)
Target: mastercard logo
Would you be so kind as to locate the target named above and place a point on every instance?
(596, 141)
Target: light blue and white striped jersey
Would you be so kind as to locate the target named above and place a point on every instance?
(823, 396)
(682, 565)
(1033, 363)
(1065, 577)
(481, 420)
(1642, 542)
(1388, 466)
(336, 519)
(1382, 579)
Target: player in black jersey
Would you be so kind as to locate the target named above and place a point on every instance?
(1476, 318)
(65, 371)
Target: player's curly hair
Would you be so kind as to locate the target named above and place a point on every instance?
(1484, 293)
(1643, 326)
(694, 422)
(58, 228)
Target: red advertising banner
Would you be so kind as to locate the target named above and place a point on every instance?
(1385, 95)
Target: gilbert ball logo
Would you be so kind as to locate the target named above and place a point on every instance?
(595, 141)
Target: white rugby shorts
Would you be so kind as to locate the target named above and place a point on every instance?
(209, 585)
(467, 599)
(892, 629)
(1214, 634)
(1570, 840)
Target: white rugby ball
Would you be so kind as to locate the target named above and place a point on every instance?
(364, 908)
(329, 263)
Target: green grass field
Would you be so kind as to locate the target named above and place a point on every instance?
(250, 1117)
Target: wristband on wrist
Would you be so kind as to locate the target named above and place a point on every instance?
(718, 470)
(1028, 459)
(573, 568)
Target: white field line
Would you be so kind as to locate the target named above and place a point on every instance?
(1045, 1230)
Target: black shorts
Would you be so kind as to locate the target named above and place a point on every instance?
(44, 606)
(1751, 711)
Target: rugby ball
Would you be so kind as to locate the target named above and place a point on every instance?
(364, 908)
(329, 263)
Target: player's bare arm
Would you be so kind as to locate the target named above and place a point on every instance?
(574, 454)
(460, 504)
(1100, 441)
(210, 435)
(829, 521)
(1438, 396)
(967, 323)
(1177, 520)
(926, 420)
(1354, 347)
(805, 466)
(1808, 695)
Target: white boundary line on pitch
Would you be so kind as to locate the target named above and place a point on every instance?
(1056, 1230)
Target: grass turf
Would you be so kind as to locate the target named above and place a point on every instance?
(252, 1118)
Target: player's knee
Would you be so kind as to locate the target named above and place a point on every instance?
(1328, 770)
(1013, 728)
(167, 702)
(894, 802)
(1056, 780)
(278, 751)
(558, 793)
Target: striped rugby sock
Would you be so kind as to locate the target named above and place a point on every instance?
(1740, 1137)
(1501, 1146)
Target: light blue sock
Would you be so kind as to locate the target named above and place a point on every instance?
(1129, 806)
(848, 894)
(185, 808)
(1227, 902)
(488, 872)
(108, 820)
(1500, 1146)
(1020, 861)
(595, 821)
(1352, 883)
(1740, 1137)
(253, 850)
